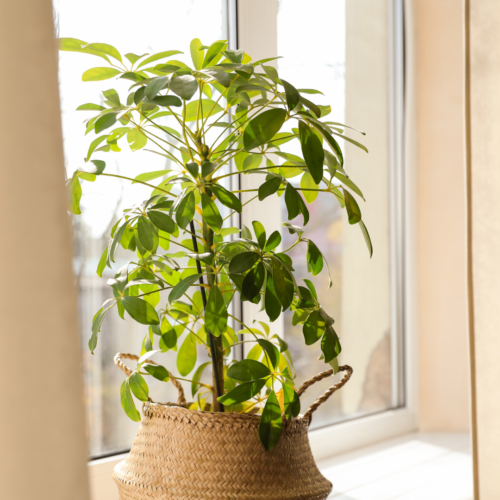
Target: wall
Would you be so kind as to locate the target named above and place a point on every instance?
(482, 78)
(42, 428)
(441, 224)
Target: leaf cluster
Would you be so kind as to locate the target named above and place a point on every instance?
(183, 297)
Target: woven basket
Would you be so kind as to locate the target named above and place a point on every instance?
(181, 454)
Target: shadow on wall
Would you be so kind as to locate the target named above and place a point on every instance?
(377, 386)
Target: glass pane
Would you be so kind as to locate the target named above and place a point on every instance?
(359, 299)
(153, 27)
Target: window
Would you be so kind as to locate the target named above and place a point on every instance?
(343, 51)
(164, 25)
(360, 298)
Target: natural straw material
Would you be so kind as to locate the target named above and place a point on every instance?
(181, 454)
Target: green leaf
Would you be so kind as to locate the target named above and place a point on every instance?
(221, 76)
(196, 55)
(242, 262)
(90, 107)
(246, 233)
(160, 55)
(295, 204)
(271, 73)
(352, 141)
(282, 343)
(269, 187)
(253, 282)
(313, 328)
(185, 210)
(186, 357)
(292, 402)
(260, 233)
(106, 49)
(148, 235)
(140, 310)
(184, 86)
(104, 122)
(273, 241)
(98, 74)
(181, 288)
(75, 45)
(208, 107)
(193, 169)
(206, 257)
(169, 340)
(158, 372)
(263, 128)
(272, 303)
(242, 392)
(211, 213)
(94, 144)
(292, 95)
(155, 85)
(283, 283)
(102, 262)
(271, 350)
(96, 326)
(311, 106)
(348, 182)
(352, 207)
(271, 424)
(76, 196)
(216, 312)
(197, 376)
(167, 100)
(330, 344)
(235, 56)
(307, 182)
(162, 221)
(312, 150)
(133, 58)
(248, 370)
(117, 236)
(366, 236)
(136, 139)
(139, 386)
(149, 176)
(311, 287)
(97, 167)
(314, 258)
(227, 198)
(212, 52)
(127, 402)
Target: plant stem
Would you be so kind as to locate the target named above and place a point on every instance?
(215, 343)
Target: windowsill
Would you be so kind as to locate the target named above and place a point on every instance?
(412, 467)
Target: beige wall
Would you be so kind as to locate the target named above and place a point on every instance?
(42, 428)
(482, 74)
(441, 227)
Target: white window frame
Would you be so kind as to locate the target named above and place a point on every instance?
(242, 16)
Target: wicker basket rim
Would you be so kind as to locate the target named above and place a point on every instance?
(209, 415)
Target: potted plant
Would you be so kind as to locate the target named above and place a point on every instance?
(243, 436)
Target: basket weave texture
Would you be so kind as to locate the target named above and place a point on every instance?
(182, 454)
(192, 455)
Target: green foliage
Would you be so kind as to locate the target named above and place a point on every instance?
(225, 107)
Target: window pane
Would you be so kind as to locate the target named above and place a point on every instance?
(332, 55)
(152, 27)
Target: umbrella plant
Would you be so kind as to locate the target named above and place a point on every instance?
(230, 116)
